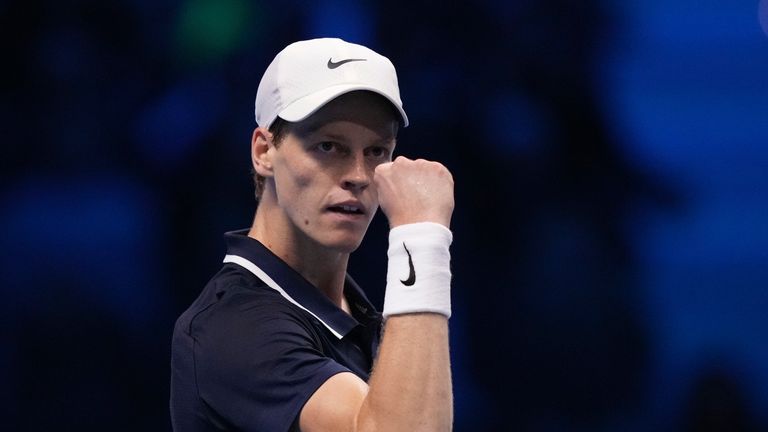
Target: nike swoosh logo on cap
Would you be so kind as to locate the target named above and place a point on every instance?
(412, 274)
(334, 65)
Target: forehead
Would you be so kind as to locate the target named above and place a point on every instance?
(363, 108)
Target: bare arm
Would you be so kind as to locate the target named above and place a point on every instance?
(410, 388)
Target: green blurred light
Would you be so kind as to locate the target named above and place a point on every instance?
(209, 30)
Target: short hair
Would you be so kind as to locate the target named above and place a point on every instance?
(279, 128)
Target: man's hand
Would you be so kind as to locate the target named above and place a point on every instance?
(415, 191)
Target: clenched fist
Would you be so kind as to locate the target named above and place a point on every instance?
(413, 191)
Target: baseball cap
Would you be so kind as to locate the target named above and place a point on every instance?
(308, 74)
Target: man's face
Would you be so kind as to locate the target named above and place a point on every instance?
(323, 169)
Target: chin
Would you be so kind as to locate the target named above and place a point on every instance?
(344, 244)
(348, 247)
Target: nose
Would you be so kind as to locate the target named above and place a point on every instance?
(358, 174)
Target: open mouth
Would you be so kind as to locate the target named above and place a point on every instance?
(345, 209)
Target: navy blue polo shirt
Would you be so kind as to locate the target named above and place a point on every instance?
(260, 340)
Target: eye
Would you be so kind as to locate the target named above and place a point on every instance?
(326, 146)
(378, 152)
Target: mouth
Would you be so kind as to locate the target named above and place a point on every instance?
(348, 208)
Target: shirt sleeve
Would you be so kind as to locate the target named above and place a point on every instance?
(257, 363)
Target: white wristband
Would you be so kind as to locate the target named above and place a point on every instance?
(419, 272)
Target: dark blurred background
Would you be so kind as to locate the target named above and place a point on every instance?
(611, 231)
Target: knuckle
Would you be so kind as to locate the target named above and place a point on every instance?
(381, 168)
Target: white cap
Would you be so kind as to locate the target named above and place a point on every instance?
(306, 75)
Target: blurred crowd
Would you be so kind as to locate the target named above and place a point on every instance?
(125, 157)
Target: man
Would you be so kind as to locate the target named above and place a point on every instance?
(281, 338)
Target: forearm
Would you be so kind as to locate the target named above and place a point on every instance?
(410, 388)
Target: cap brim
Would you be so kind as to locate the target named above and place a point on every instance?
(304, 107)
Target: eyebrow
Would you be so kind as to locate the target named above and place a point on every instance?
(382, 142)
(311, 129)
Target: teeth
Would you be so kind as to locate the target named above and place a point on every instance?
(349, 208)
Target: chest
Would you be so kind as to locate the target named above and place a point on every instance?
(356, 350)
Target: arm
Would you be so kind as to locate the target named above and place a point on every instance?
(410, 388)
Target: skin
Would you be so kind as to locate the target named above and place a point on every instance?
(341, 154)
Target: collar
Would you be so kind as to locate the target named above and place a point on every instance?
(250, 254)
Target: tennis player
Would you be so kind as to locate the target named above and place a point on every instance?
(281, 338)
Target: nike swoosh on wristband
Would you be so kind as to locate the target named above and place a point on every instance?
(412, 274)
(334, 65)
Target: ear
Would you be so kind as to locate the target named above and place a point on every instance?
(261, 142)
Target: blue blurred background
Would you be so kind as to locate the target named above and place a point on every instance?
(611, 162)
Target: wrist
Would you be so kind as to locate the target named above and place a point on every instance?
(419, 274)
(396, 222)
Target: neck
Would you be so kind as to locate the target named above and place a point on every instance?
(325, 269)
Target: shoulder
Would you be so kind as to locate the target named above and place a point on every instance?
(255, 357)
(238, 299)
(235, 308)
